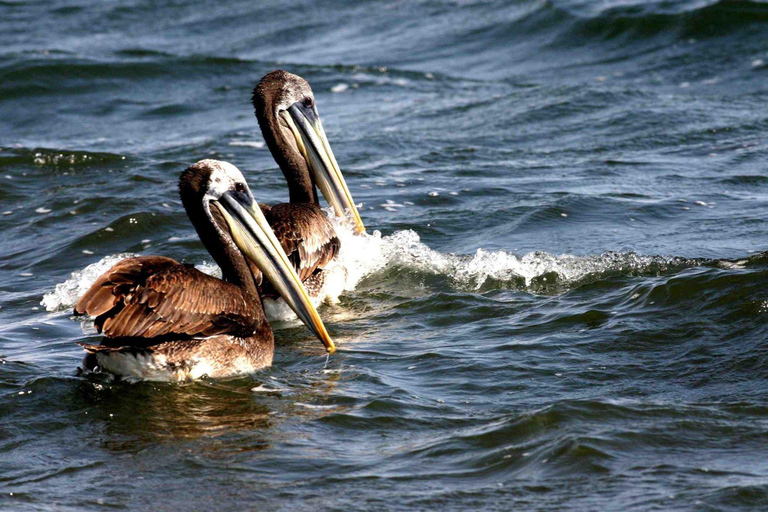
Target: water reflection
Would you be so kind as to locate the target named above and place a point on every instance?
(138, 415)
(227, 416)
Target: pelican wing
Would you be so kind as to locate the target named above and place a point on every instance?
(306, 235)
(154, 296)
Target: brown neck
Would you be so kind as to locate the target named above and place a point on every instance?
(300, 185)
(235, 268)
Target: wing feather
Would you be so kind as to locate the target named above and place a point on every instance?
(154, 296)
(306, 234)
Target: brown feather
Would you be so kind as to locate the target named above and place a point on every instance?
(153, 296)
(306, 235)
(102, 295)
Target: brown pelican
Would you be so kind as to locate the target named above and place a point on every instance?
(285, 108)
(163, 320)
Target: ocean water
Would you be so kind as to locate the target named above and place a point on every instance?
(561, 305)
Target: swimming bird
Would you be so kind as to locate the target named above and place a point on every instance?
(285, 107)
(163, 320)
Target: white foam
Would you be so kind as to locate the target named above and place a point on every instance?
(366, 254)
(210, 268)
(66, 294)
(341, 87)
(279, 311)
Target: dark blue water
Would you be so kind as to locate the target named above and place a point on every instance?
(565, 306)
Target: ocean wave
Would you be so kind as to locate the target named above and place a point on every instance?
(691, 19)
(67, 74)
(537, 271)
(556, 25)
(641, 19)
(367, 254)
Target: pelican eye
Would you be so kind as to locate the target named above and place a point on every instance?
(240, 187)
(309, 102)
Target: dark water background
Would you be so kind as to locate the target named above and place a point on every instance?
(630, 135)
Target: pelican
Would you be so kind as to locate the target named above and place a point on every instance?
(163, 320)
(285, 108)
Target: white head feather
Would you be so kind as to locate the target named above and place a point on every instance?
(223, 177)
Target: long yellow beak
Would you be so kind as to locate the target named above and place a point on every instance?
(313, 144)
(252, 234)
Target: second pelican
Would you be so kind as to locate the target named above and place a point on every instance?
(285, 108)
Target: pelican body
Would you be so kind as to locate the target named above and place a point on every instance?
(164, 320)
(285, 108)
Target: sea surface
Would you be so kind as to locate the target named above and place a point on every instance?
(561, 304)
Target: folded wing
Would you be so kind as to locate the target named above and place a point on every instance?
(306, 235)
(154, 296)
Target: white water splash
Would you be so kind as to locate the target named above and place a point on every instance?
(210, 268)
(366, 254)
(65, 295)
(279, 311)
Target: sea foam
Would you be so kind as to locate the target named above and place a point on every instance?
(366, 254)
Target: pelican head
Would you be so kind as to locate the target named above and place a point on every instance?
(285, 107)
(229, 206)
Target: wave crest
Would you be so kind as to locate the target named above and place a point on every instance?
(538, 271)
(367, 254)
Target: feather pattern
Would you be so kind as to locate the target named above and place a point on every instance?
(306, 235)
(154, 296)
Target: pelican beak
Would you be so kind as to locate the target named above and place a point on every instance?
(252, 234)
(305, 124)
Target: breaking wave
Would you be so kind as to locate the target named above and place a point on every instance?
(537, 272)
(368, 254)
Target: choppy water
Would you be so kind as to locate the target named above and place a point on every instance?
(565, 307)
